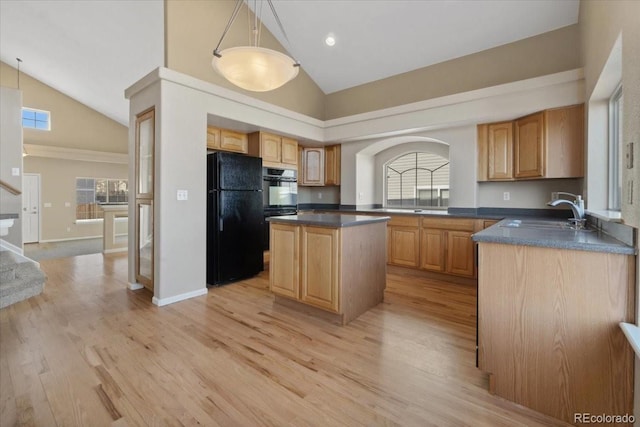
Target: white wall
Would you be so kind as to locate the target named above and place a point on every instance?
(11, 157)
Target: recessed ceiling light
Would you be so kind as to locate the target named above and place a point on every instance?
(330, 40)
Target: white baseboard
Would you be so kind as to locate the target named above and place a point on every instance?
(11, 247)
(165, 301)
(135, 286)
(114, 250)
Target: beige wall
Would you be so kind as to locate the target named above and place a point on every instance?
(58, 184)
(601, 24)
(193, 29)
(546, 53)
(73, 125)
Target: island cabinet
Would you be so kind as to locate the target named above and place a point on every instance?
(546, 144)
(276, 151)
(226, 140)
(334, 263)
(548, 330)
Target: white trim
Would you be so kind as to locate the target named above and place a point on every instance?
(164, 301)
(11, 247)
(54, 152)
(135, 286)
(114, 250)
(609, 216)
(40, 206)
(632, 332)
(567, 85)
(71, 238)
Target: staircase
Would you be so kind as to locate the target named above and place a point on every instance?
(20, 278)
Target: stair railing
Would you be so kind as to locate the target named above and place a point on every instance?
(11, 189)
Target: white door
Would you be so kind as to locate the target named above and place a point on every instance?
(30, 208)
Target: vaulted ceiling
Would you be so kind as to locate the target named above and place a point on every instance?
(92, 50)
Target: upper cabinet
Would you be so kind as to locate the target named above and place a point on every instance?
(276, 151)
(548, 144)
(332, 165)
(319, 166)
(226, 140)
(311, 166)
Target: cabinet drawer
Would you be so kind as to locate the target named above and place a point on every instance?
(463, 224)
(406, 221)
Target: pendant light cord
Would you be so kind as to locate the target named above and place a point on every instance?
(284, 33)
(233, 18)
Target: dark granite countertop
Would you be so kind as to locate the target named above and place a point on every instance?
(9, 216)
(551, 235)
(333, 220)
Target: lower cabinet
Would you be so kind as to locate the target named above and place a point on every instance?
(441, 245)
(340, 270)
(304, 264)
(320, 273)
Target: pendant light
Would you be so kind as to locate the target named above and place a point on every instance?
(252, 67)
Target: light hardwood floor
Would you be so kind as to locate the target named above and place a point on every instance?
(89, 352)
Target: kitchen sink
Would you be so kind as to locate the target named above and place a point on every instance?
(542, 225)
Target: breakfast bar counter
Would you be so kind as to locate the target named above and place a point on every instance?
(329, 265)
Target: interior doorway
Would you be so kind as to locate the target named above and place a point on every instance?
(30, 208)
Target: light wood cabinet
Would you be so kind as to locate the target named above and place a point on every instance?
(548, 332)
(339, 270)
(311, 166)
(447, 247)
(289, 151)
(403, 247)
(227, 140)
(547, 144)
(500, 141)
(529, 152)
(276, 151)
(332, 165)
(320, 267)
(284, 260)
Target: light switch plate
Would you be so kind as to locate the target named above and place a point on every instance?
(15, 171)
(47, 205)
(183, 195)
(67, 204)
(629, 155)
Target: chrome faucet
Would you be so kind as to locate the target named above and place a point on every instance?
(577, 206)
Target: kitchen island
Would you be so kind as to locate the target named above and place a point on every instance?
(550, 299)
(330, 265)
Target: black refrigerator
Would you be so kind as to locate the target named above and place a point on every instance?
(235, 219)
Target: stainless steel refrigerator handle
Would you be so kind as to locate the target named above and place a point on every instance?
(221, 225)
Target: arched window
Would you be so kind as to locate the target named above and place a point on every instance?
(417, 180)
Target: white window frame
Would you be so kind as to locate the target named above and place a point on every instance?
(36, 111)
(614, 188)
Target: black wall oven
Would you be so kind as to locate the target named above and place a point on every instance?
(279, 194)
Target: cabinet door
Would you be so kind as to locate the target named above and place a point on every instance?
(233, 141)
(284, 263)
(270, 148)
(289, 151)
(529, 153)
(213, 138)
(320, 267)
(460, 253)
(312, 166)
(565, 142)
(404, 246)
(432, 250)
(500, 146)
(332, 165)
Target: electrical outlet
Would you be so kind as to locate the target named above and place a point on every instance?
(506, 196)
(15, 171)
(360, 195)
(67, 204)
(68, 229)
(319, 195)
